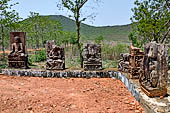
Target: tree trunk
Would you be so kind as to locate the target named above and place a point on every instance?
(78, 41)
(42, 37)
(72, 51)
(36, 36)
(32, 44)
(3, 45)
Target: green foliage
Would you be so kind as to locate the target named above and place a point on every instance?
(40, 29)
(134, 38)
(151, 21)
(8, 21)
(99, 39)
(109, 63)
(112, 52)
(3, 62)
(39, 56)
(75, 7)
(110, 33)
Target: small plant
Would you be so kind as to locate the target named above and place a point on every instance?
(3, 62)
(39, 56)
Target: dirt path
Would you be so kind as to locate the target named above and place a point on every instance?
(54, 95)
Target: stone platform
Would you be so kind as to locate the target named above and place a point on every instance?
(151, 105)
(59, 74)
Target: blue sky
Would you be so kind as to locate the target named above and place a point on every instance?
(108, 12)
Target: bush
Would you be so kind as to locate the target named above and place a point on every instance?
(40, 56)
(112, 52)
(3, 62)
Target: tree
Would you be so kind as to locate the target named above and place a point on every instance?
(151, 21)
(75, 6)
(41, 28)
(99, 39)
(34, 17)
(8, 20)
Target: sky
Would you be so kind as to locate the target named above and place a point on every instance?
(107, 12)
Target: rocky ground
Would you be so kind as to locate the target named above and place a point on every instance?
(56, 95)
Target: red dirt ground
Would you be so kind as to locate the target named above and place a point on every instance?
(57, 95)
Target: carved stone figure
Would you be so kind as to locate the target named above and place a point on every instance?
(92, 57)
(123, 63)
(55, 57)
(135, 59)
(154, 69)
(18, 57)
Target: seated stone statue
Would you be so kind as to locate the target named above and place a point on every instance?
(17, 57)
(92, 57)
(17, 48)
(55, 57)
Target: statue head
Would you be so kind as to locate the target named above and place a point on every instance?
(153, 49)
(17, 39)
(92, 50)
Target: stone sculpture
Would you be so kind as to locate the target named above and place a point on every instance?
(92, 57)
(135, 59)
(18, 57)
(154, 69)
(123, 63)
(55, 57)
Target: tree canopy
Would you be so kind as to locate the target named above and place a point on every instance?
(151, 22)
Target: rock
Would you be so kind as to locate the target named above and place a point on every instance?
(169, 98)
(137, 111)
(161, 97)
(160, 110)
(168, 90)
(29, 108)
(126, 102)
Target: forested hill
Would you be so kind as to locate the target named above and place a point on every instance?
(115, 33)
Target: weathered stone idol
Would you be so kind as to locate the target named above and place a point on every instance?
(154, 69)
(55, 57)
(92, 57)
(135, 59)
(123, 63)
(18, 57)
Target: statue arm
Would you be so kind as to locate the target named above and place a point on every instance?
(13, 49)
(22, 48)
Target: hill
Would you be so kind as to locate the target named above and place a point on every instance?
(110, 33)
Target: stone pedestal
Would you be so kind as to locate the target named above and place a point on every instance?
(154, 69)
(92, 57)
(55, 57)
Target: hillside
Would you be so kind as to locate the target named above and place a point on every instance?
(110, 33)
(115, 33)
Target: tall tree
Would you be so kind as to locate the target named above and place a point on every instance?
(42, 27)
(75, 6)
(8, 20)
(151, 21)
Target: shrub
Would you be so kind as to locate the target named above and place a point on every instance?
(112, 52)
(39, 56)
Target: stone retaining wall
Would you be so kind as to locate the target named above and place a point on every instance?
(59, 74)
